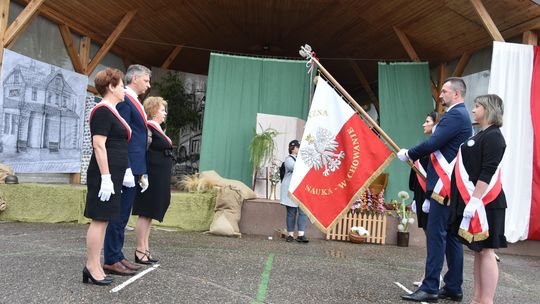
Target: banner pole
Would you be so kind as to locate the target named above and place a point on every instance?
(361, 111)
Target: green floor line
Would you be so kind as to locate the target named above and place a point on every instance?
(265, 277)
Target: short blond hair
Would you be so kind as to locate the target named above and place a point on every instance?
(152, 104)
(494, 108)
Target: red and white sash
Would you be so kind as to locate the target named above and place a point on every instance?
(422, 170)
(444, 172)
(475, 228)
(115, 113)
(156, 126)
(139, 107)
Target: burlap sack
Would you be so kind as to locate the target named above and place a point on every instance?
(212, 176)
(228, 211)
(5, 170)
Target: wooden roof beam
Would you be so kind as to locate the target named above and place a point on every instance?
(17, 27)
(365, 84)
(486, 20)
(167, 63)
(530, 37)
(84, 52)
(75, 27)
(462, 63)
(72, 52)
(414, 57)
(4, 14)
(110, 41)
(406, 44)
(442, 77)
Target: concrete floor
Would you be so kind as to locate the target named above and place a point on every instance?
(42, 263)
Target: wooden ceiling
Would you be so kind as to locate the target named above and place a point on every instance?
(363, 30)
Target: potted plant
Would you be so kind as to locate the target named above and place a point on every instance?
(261, 149)
(404, 214)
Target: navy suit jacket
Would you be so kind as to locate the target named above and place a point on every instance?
(139, 135)
(454, 129)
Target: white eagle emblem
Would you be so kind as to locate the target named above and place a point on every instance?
(321, 152)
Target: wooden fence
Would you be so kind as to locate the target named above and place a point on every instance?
(374, 223)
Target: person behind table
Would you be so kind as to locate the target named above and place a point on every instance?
(110, 135)
(153, 203)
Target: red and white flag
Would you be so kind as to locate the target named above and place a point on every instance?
(515, 77)
(339, 157)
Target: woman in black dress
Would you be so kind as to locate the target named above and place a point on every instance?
(417, 184)
(110, 135)
(477, 199)
(153, 202)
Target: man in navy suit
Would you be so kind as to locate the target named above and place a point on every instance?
(453, 130)
(138, 81)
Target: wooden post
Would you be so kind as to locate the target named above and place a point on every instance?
(4, 14)
(70, 48)
(20, 23)
(406, 44)
(84, 52)
(442, 77)
(110, 41)
(486, 20)
(171, 57)
(530, 37)
(463, 61)
(414, 57)
(365, 84)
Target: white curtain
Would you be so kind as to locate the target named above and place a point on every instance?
(511, 72)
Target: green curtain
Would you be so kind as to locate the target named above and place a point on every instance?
(239, 88)
(405, 100)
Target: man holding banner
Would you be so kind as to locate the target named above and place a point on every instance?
(453, 129)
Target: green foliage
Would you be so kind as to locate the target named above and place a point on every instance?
(261, 148)
(182, 108)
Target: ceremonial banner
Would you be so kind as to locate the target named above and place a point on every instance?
(339, 157)
(515, 77)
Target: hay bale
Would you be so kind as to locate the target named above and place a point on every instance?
(5, 170)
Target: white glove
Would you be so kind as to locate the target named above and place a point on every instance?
(143, 182)
(402, 155)
(471, 207)
(425, 206)
(129, 179)
(106, 189)
(413, 206)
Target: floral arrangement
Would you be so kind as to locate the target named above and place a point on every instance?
(369, 203)
(274, 172)
(402, 211)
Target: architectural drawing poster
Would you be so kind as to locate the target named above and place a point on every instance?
(41, 116)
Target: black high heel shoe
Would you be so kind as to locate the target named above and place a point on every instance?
(140, 260)
(149, 258)
(87, 275)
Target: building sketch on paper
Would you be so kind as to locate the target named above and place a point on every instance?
(41, 116)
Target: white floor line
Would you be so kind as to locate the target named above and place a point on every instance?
(406, 289)
(134, 278)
